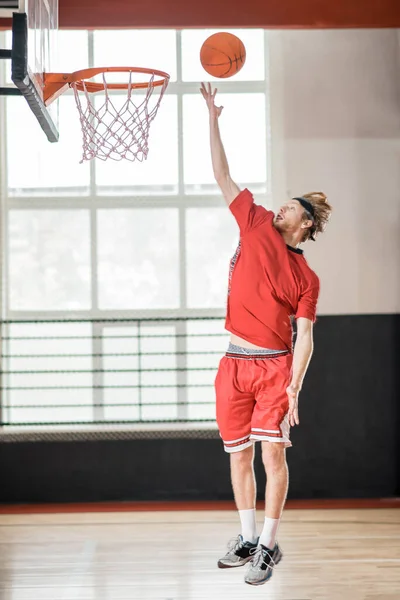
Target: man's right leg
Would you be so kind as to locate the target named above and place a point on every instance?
(244, 490)
(241, 548)
(234, 413)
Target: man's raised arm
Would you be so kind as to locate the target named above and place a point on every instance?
(220, 165)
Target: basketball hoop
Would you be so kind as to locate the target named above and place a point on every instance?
(114, 127)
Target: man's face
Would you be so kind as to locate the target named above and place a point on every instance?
(289, 217)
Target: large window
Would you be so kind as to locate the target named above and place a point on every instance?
(105, 240)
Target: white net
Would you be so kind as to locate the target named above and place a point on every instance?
(113, 125)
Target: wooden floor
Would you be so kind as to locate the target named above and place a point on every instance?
(347, 554)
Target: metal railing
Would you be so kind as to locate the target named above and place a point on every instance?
(110, 371)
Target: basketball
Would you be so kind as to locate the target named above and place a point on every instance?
(222, 55)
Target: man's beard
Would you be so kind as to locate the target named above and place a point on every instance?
(279, 225)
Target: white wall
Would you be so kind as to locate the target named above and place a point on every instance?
(335, 109)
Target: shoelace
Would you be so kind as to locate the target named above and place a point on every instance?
(234, 544)
(259, 554)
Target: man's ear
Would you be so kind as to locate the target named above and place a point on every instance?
(306, 224)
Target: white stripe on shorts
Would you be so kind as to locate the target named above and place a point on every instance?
(266, 430)
(238, 440)
(230, 449)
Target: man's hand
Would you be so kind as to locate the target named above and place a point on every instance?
(209, 97)
(293, 395)
(301, 357)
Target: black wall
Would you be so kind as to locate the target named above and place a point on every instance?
(347, 445)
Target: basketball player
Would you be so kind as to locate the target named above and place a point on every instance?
(260, 377)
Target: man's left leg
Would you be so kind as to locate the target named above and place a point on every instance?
(268, 553)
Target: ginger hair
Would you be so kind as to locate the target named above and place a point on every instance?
(322, 210)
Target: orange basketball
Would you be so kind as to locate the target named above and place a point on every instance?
(222, 55)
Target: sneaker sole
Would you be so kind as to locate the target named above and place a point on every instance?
(222, 565)
(271, 571)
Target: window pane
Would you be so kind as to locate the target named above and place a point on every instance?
(138, 258)
(151, 49)
(48, 347)
(206, 343)
(49, 259)
(158, 364)
(159, 403)
(211, 238)
(243, 133)
(120, 351)
(35, 166)
(72, 50)
(157, 174)
(253, 69)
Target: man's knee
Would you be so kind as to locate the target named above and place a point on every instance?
(243, 458)
(273, 456)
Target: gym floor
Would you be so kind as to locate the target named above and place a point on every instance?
(346, 554)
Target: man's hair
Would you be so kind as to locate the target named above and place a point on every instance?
(322, 213)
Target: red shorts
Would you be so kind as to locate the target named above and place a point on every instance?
(252, 402)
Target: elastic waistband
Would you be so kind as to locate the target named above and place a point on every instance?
(253, 353)
(256, 356)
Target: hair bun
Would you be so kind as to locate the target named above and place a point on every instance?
(318, 196)
(322, 213)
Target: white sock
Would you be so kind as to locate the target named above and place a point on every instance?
(249, 527)
(268, 534)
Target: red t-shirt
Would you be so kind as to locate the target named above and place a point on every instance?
(268, 281)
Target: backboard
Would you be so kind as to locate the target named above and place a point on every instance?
(33, 53)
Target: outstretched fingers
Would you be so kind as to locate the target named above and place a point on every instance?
(207, 91)
(209, 96)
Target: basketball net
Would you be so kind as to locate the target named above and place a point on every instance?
(113, 127)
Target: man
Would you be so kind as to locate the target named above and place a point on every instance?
(259, 379)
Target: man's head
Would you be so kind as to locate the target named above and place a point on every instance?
(304, 217)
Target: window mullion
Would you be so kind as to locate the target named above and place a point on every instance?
(181, 342)
(92, 164)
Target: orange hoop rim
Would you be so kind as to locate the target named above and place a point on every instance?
(56, 84)
(79, 79)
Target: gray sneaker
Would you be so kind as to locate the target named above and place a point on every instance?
(239, 553)
(263, 564)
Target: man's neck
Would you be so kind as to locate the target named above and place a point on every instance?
(291, 239)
